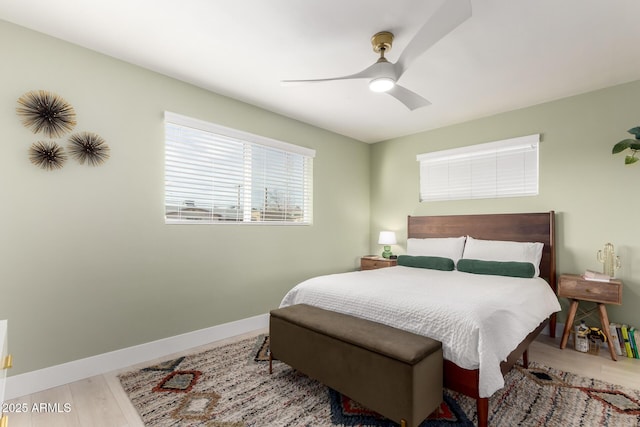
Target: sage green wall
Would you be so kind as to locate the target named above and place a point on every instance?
(592, 192)
(88, 265)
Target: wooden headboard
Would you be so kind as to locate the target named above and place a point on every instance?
(518, 227)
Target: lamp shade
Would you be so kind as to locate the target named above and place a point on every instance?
(387, 238)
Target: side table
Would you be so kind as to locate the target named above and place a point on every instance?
(577, 289)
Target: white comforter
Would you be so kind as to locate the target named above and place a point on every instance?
(479, 319)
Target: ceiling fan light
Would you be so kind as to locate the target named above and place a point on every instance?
(381, 84)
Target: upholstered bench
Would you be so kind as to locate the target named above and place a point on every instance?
(393, 372)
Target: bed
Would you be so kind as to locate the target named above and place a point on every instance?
(485, 322)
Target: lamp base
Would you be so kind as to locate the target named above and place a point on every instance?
(387, 252)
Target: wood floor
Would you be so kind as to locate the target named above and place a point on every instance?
(100, 401)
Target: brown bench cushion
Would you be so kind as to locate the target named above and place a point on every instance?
(382, 339)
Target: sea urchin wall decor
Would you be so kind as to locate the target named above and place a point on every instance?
(88, 147)
(43, 111)
(47, 155)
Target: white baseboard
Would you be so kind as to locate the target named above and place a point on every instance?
(54, 376)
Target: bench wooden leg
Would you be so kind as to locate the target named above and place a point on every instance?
(482, 406)
(525, 359)
(403, 423)
(270, 363)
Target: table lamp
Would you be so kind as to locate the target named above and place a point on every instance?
(387, 238)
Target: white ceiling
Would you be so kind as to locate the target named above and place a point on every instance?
(509, 54)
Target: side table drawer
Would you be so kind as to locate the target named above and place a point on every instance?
(373, 263)
(571, 286)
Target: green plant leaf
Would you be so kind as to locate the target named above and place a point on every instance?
(622, 145)
(630, 159)
(635, 131)
(635, 145)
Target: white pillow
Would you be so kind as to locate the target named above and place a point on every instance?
(498, 250)
(446, 247)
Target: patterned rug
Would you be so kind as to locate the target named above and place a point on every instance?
(230, 386)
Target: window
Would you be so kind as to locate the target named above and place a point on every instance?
(215, 174)
(507, 168)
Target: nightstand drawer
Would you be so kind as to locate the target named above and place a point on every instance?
(371, 263)
(573, 286)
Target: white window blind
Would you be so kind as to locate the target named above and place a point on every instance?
(215, 174)
(507, 168)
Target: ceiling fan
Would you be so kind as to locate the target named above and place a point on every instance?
(383, 75)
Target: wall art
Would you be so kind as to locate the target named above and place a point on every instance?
(46, 112)
(47, 155)
(88, 147)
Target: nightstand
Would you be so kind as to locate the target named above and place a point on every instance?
(373, 262)
(578, 289)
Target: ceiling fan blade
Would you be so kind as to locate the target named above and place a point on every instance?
(410, 99)
(451, 14)
(367, 73)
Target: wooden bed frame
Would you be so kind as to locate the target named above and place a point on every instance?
(519, 227)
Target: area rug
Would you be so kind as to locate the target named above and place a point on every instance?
(230, 386)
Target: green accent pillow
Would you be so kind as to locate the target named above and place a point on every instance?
(497, 268)
(430, 262)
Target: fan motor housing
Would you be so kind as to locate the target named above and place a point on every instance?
(382, 40)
